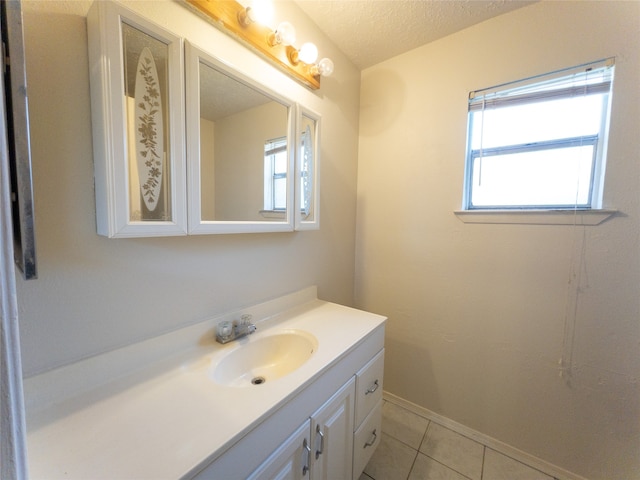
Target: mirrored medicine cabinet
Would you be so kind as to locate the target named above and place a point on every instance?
(186, 143)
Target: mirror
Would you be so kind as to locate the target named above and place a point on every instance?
(307, 170)
(239, 149)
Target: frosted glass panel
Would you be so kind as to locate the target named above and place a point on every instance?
(147, 126)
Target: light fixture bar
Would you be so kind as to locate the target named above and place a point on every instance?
(224, 13)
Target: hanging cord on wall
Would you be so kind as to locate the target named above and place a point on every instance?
(577, 272)
(577, 267)
(484, 104)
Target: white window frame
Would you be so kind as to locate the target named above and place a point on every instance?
(271, 148)
(522, 92)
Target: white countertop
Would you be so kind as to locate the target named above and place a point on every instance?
(170, 417)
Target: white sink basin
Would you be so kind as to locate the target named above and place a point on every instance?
(264, 359)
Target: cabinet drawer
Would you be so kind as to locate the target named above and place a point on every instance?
(369, 386)
(366, 439)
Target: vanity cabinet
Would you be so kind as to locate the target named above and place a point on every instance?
(334, 437)
(160, 409)
(137, 104)
(339, 439)
(321, 449)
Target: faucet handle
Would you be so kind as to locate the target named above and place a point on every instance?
(246, 318)
(224, 330)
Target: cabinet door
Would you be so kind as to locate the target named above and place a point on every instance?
(137, 106)
(332, 436)
(290, 461)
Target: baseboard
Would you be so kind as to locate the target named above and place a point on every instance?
(497, 445)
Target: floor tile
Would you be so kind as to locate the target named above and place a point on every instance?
(364, 476)
(403, 425)
(426, 468)
(500, 467)
(392, 460)
(456, 451)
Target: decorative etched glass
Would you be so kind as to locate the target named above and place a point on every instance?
(145, 96)
(137, 104)
(307, 199)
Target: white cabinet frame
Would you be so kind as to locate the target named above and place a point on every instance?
(111, 158)
(195, 56)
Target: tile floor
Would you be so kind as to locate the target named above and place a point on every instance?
(415, 448)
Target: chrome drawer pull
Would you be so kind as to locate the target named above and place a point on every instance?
(307, 454)
(375, 437)
(321, 449)
(372, 388)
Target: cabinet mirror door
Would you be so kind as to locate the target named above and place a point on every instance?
(239, 148)
(307, 202)
(138, 121)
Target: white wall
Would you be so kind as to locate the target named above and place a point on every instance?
(95, 294)
(477, 312)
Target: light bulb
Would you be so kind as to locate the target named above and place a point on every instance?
(324, 67)
(308, 53)
(261, 11)
(285, 34)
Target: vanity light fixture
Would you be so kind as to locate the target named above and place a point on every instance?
(248, 24)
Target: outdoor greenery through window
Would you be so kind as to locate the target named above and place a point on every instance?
(540, 143)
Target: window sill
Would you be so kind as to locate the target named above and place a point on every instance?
(279, 214)
(536, 217)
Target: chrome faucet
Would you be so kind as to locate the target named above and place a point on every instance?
(228, 331)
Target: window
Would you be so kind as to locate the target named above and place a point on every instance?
(540, 143)
(275, 174)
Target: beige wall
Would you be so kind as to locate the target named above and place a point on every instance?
(477, 312)
(94, 294)
(207, 169)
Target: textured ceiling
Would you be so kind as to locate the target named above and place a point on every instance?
(370, 31)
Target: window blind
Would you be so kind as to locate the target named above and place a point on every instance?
(587, 79)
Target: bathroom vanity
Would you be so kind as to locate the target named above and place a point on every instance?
(300, 398)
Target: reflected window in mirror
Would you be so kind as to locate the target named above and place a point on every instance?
(275, 176)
